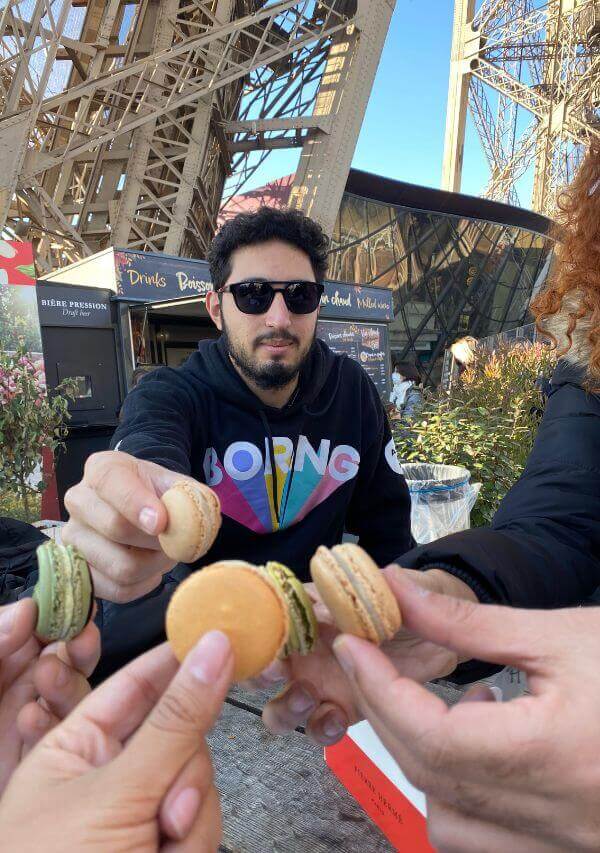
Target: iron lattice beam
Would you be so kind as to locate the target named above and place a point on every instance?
(121, 124)
(528, 70)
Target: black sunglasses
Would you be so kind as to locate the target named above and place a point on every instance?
(256, 297)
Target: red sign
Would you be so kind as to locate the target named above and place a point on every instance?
(390, 803)
(16, 263)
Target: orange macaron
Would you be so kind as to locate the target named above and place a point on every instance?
(355, 592)
(238, 599)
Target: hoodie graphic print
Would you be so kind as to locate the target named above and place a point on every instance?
(288, 479)
(304, 478)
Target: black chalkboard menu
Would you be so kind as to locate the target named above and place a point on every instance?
(366, 343)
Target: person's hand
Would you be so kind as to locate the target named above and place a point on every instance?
(319, 695)
(39, 685)
(520, 775)
(129, 769)
(115, 516)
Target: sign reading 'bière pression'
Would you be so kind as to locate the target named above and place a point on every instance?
(68, 305)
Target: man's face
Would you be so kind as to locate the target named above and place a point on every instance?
(269, 349)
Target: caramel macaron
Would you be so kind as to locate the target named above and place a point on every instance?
(241, 601)
(194, 513)
(355, 592)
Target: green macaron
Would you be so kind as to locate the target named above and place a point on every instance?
(63, 592)
(303, 630)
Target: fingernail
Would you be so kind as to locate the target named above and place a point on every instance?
(148, 519)
(299, 701)
(7, 618)
(183, 811)
(209, 656)
(333, 728)
(344, 656)
(497, 691)
(275, 674)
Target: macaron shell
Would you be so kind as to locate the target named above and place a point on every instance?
(83, 594)
(236, 598)
(338, 597)
(362, 604)
(371, 577)
(308, 626)
(304, 629)
(194, 521)
(65, 577)
(63, 592)
(43, 593)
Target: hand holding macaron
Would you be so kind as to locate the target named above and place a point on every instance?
(319, 695)
(39, 685)
(117, 514)
(129, 768)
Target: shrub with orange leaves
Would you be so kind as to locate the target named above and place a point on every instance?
(487, 423)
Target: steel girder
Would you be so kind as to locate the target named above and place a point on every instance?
(528, 70)
(121, 122)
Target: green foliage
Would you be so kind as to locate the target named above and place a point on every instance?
(19, 323)
(30, 420)
(11, 505)
(487, 423)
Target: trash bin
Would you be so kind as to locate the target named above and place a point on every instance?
(442, 497)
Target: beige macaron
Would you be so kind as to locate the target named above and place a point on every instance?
(194, 520)
(355, 592)
(241, 601)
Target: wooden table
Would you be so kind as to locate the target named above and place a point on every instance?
(277, 793)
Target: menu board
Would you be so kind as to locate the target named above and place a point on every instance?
(366, 343)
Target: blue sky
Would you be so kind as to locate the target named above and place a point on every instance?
(403, 132)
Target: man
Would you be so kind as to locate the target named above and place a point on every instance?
(291, 437)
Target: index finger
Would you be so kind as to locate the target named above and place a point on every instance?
(123, 701)
(133, 487)
(173, 731)
(526, 639)
(438, 745)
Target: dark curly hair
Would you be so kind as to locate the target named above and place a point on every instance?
(574, 287)
(268, 223)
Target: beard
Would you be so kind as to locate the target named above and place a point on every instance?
(267, 375)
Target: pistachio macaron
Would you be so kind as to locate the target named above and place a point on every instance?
(303, 631)
(355, 592)
(194, 514)
(63, 592)
(238, 599)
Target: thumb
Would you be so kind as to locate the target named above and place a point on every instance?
(185, 713)
(503, 635)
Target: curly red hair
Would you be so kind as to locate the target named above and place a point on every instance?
(574, 287)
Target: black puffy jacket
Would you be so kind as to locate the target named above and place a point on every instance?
(542, 549)
(18, 562)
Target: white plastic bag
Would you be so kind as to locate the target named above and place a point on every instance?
(442, 498)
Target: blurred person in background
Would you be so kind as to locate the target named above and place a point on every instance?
(406, 396)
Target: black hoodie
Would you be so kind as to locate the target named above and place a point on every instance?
(331, 447)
